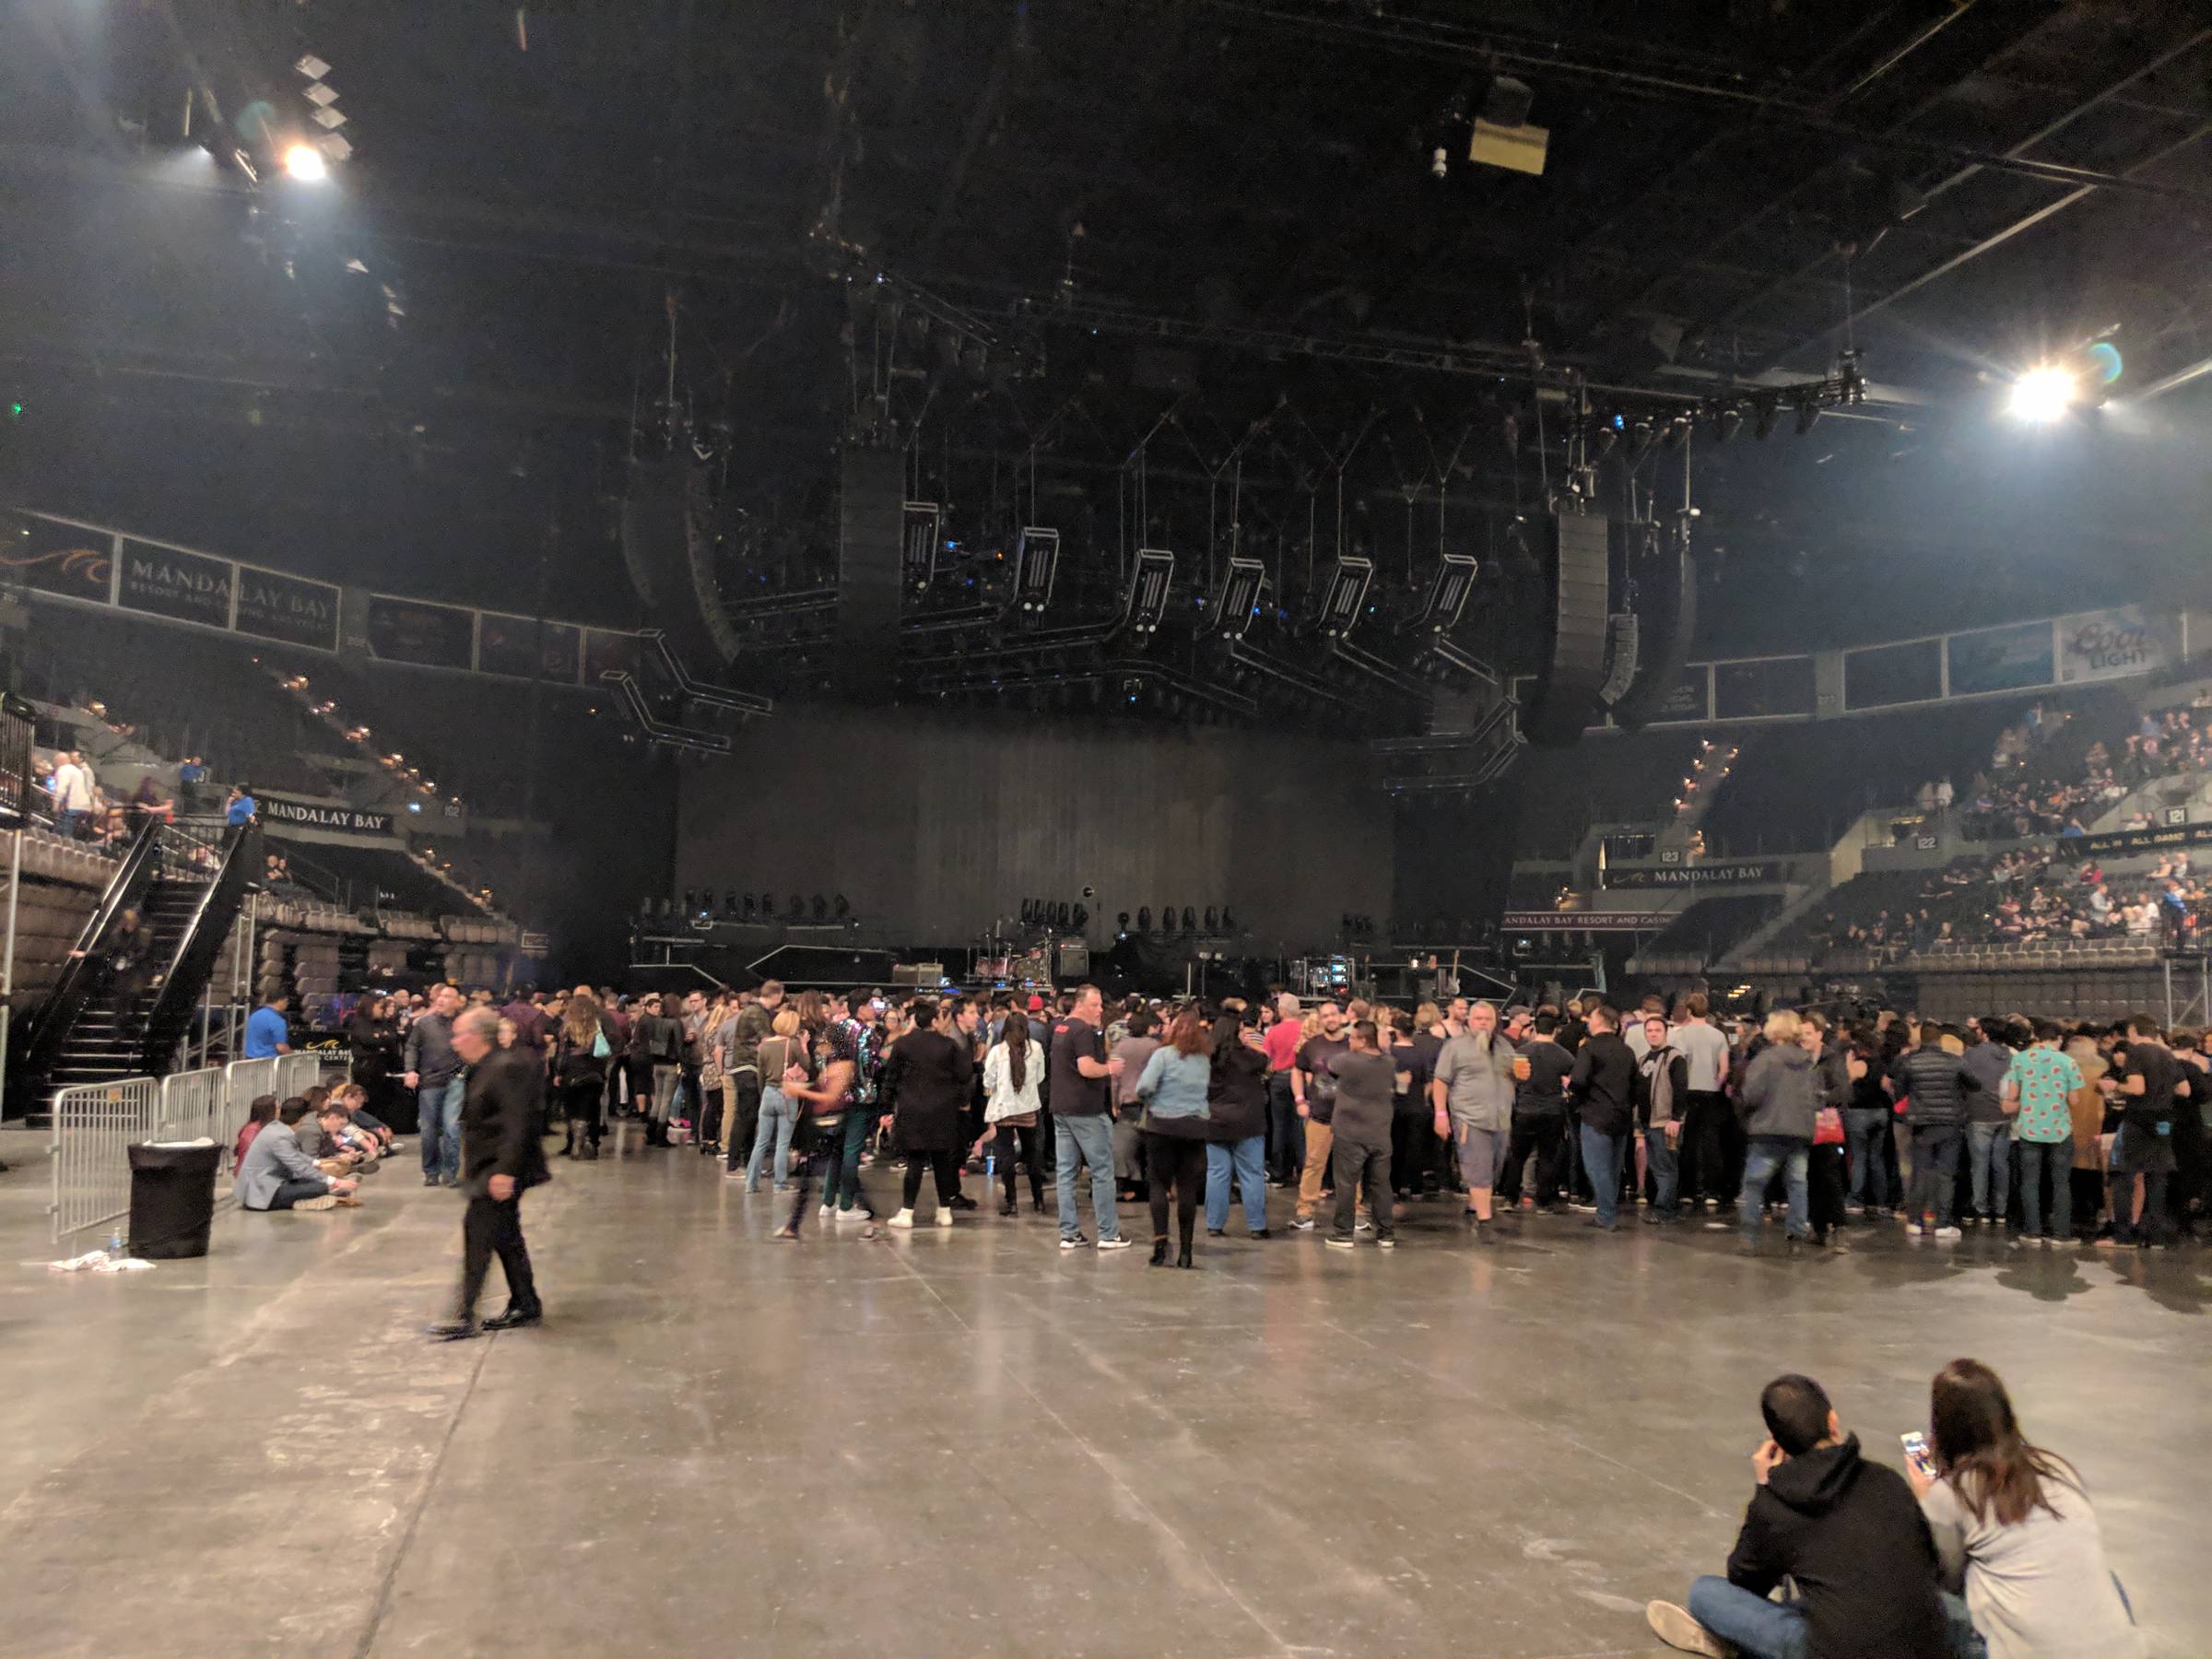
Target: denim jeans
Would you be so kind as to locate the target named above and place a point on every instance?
(776, 1122)
(841, 1186)
(1601, 1156)
(1246, 1160)
(65, 823)
(1287, 1151)
(293, 1192)
(1760, 1629)
(439, 1105)
(1935, 1171)
(2058, 1157)
(1989, 1151)
(1666, 1169)
(1869, 1170)
(1088, 1140)
(1766, 1154)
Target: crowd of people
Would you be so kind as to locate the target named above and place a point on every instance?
(2005, 804)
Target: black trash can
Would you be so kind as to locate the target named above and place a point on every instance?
(172, 1200)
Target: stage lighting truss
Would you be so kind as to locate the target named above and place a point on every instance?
(1342, 600)
(1036, 563)
(925, 529)
(1238, 599)
(1722, 415)
(1147, 606)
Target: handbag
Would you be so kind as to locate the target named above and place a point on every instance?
(1828, 1126)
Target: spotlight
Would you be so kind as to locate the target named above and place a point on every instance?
(1762, 423)
(1728, 420)
(1676, 431)
(304, 162)
(1807, 412)
(1640, 436)
(1602, 442)
(2042, 394)
(1439, 162)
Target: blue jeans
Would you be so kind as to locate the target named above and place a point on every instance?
(1766, 1154)
(65, 823)
(1761, 1628)
(1601, 1156)
(1667, 1173)
(1869, 1171)
(777, 1120)
(1288, 1129)
(1247, 1161)
(439, 1105)
(1090, 1139)
(841, 1186)
(2058, 1157)
(1935, 1171)
(1989, 1151)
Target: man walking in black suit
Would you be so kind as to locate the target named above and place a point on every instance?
(500, 1157)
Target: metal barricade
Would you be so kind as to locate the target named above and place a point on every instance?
(93, 1124)
(195, 1106)
(296, 1073)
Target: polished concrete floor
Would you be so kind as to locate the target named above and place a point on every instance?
(967, 1442)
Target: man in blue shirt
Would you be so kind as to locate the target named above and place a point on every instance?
(242, 806)
(267, 1035)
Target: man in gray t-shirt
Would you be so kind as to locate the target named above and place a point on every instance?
(1702, 1148)
(1366, 1082)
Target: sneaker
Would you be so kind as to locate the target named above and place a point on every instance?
(1674, 1627)
(1969, 1219)
(1390, 1243)
(1301, 1224)
(1912, 1230)
(1216, 1232)
(1949, 1232)
(825, 1211)
(1117, 1243)
(1337, 1243)
(903, 1220)
(1363, 1224)
(327, 1201)
(1577, 1204)
(944, 1216)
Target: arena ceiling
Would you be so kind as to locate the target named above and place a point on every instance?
(1107, 192)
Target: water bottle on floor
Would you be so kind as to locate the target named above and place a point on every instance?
(115, 1244)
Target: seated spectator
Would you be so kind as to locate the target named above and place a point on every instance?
(2014, 1529)
(278, 1175)
(1846, 1533)
(258, 1115)
(353, 1100)
(326, 1135)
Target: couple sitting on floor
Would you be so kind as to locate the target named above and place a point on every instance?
(307, 1153)
(1986, 1549)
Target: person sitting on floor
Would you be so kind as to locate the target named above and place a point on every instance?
(259, 1115)
(1848, 1534)
(354, 1100)
(277, 1176)
(326, 1135)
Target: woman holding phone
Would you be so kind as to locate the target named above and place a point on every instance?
(2013, 1528)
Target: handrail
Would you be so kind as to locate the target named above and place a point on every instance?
(123, 891)
(197, 948)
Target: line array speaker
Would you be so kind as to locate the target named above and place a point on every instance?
(870, 554)
(1577, 596)
(1667, 587)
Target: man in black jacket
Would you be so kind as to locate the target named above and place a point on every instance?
(500, 1157)
(1603, 1089)
(1848, 1534)
(1934, 1081)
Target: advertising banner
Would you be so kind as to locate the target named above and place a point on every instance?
(2109, 644)
(289, 610)
(1688, 698)
(2000, 659)
(279, 810)
(2115, 842)
(409, 630)
(54, 558)
(1722, 873)
(185, 587)
(1593, 920)
(1763, 688)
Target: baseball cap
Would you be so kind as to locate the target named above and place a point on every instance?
(1036, 1002)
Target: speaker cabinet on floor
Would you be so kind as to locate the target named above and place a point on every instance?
(1577, 594)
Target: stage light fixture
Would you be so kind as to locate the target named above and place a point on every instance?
(1807, 413)
(2042, 394)
(305, 163)
(1640, 436)
(1762, 422)
(1676, 431)
(1728, 420)
(1602, 440)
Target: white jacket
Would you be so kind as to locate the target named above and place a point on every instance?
(1002, 1099)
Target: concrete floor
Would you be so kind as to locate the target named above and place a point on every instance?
(967, 1442)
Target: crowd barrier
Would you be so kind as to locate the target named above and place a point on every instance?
(94, 1123)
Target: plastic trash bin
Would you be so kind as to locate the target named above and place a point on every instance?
(173, 1199)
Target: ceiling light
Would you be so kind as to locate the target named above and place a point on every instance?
(305, 162)
(313, 67)
(322, 93)
(2042, 394)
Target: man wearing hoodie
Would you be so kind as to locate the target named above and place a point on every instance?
(1780, 1103)
(1847, 1534)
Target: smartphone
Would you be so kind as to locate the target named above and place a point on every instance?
(1916, 1452)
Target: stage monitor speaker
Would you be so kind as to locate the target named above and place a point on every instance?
(1667, 587)
(870, 569)
(1577, 596)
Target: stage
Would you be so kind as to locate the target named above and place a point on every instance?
(967, 1442)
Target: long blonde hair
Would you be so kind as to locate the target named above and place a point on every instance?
(581, 1021)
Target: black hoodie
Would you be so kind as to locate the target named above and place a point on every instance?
(1851, 1536)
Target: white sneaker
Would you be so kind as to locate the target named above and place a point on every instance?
(1363, 1225)
(1117, 1243)
(1912, 1230)
(1949, 1232)
(944, 1216)
(1674, 1627)
(825, 1210)
(903, 1220)
(1077, 1242)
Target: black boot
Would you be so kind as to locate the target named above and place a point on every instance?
(1182, 1258)
(1159, 1252)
